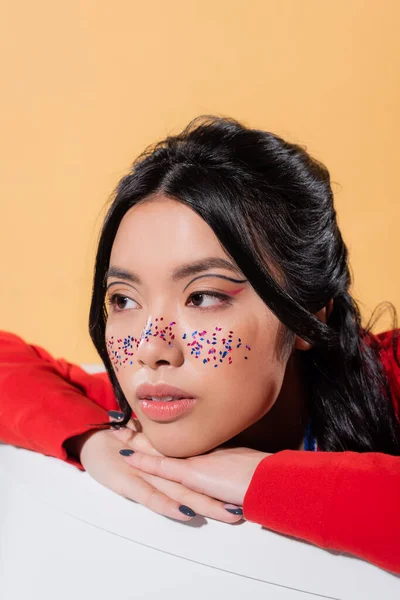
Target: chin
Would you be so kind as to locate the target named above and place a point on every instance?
(180, 449)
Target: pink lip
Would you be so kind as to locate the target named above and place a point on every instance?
(166, 411)
(162, 410)
(160, 390)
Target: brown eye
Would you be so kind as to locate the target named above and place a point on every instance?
(197, 299)
(119, 303)
(207, 300)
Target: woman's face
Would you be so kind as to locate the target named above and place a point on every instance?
(182, 314)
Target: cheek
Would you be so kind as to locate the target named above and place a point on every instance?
(251, 375)
(216, 348)
(212, 348)
(122, 346)
(245, 382)
(239, 353)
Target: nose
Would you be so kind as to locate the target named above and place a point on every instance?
(160, 344)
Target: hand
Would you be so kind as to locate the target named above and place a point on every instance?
(224, 473)
(99, 455)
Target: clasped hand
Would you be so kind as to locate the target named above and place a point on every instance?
(208, 484)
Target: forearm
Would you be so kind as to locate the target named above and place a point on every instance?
(343, 501)
(45, 402)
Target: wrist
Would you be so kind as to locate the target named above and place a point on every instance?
(74, 445)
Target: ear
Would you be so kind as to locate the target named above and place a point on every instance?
(323, 315)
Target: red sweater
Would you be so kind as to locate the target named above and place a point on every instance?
(344, 501)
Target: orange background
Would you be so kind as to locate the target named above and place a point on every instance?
(87, 84)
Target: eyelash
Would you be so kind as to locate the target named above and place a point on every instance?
(112, 301)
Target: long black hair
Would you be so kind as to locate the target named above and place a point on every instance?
(271, 206)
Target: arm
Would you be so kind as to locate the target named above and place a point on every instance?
(344, 501)
(44, 401)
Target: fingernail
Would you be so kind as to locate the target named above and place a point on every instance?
(126, 452)
(187, 511)
(117, 426)
(116, 414)
(235, 510)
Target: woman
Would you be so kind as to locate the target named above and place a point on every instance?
(221, 287)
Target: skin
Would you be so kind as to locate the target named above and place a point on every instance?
(257, 403)
(219, 445)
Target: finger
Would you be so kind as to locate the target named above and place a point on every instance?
(130, 424)
(135, 441)
(173, 469)
(124, 435)
(125, 432)
(141, 443)
(137, 489)
(136, 424)
(200, 503)
(115, 416)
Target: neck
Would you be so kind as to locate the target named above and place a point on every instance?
(283, 427)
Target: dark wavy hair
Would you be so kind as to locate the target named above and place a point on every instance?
(271, 206)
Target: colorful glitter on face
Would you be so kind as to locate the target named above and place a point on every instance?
(201, 345)
(121, 350)
(225, 355)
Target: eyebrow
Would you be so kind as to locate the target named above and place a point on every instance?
(181, 272)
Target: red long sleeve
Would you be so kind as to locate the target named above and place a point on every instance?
(44, 401)
(343, 501)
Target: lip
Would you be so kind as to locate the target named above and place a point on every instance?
(166, 411)
(160, 390)
(163, 411)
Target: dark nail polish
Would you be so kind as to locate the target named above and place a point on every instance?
(116, 426)
(126, 452)
(115, 414)
(235, 511)
(187, 511)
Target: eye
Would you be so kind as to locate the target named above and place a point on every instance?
(119, 303)
(205, 300)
